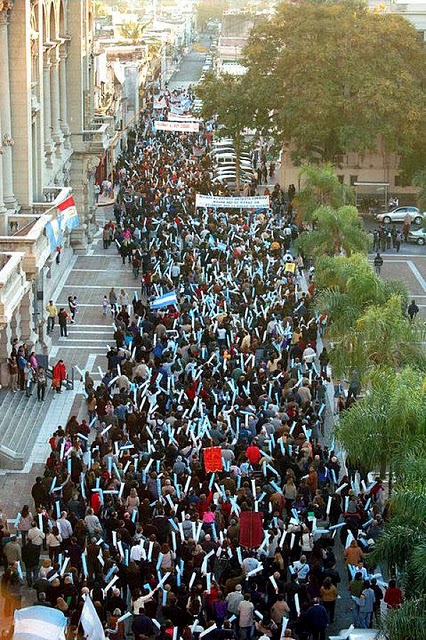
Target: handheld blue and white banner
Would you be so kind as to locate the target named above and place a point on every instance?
(165, 300)
(40, 623)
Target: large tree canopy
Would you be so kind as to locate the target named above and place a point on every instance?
(336, 77)
(230, 99)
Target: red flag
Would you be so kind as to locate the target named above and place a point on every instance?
(213, 459)
(251, 531)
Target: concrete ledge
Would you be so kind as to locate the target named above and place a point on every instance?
(11, 459)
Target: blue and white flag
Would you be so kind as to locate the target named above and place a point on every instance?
(165, 300)
(39, 623)
(90, 621)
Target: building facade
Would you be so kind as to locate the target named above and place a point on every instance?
(51, 143)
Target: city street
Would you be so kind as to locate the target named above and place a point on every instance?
(190, 69)
(91, 277)
(407, 266)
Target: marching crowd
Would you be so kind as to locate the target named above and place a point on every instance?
(201, 497)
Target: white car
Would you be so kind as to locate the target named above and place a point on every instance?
(418, 236)
(232, 162)
(399, 214)
(358, 634)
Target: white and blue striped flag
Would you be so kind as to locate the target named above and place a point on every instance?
(39, 623)
(90, 621)
(165, 300)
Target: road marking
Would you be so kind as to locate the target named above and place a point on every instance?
(90, 362)
(401, 255)
(67, 339)
(81, 304)
(92, 326)
(100, 270)
(81, 346)
(417, 274)
(90, 286)
(85, 331)
(102, 255)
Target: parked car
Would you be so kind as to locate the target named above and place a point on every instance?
(231, 161)
(358, 634)
(418, 236)
(399, 213)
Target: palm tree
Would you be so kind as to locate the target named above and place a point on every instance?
(381, 336)
(366, 316)
(401, 548)
(101, 10)
(321, 187)
(335, 231)
(407, 622)
(378, 429)
(133, 31)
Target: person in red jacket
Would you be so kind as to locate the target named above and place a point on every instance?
(59, 374)
(253, 454)
(393, 596)
(204, 504)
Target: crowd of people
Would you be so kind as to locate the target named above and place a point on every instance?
(201, 497)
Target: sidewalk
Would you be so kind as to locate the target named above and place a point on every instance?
(88, 277)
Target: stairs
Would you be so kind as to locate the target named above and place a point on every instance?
(20, 422)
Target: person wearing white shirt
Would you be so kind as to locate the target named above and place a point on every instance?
(301, 568)
(308, 357)
(64, 527)
(36, 535)
(137, 552)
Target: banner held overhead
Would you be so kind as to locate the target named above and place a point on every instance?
(165, 125)
(232, 202)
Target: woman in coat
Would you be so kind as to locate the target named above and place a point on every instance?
(59, 374)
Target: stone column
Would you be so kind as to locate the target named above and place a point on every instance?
(55, 105)
(5, 114)
(3, 210)
(47, 110)
(5, 349)
(26, 307)
(63, 95)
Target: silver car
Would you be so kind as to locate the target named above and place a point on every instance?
(418, 236)
(400, 213)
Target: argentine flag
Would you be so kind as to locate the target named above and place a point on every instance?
(39, 623)
(90, 621)
(165, 300)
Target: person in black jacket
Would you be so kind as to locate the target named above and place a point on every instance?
(31, 559)
(412, 310)
(142, 626)
(318, 619)
(40, 494)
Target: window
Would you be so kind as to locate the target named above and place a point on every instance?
(401, 181)
(353, 179)
(341, 179)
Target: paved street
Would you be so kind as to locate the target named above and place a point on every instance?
(90, 278)
(409, 268)
(190, 69)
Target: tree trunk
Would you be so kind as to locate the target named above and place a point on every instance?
(237, 143)
(382, 468)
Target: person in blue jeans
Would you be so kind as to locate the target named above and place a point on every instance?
(366, 606)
